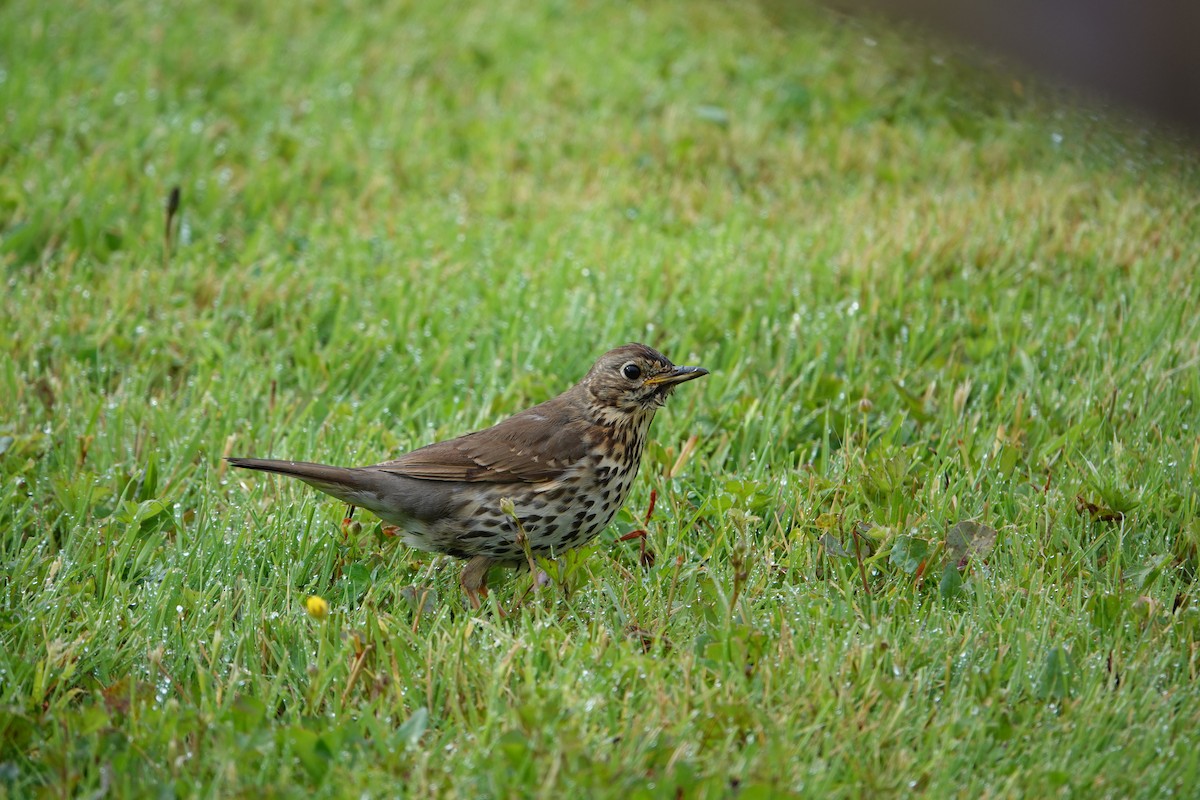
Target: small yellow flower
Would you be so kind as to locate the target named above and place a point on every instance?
(317, 608)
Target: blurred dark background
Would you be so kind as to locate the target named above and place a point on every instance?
(1143, 54)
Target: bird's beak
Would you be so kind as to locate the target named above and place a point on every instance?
(676, 375)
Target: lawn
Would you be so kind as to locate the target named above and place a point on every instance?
(930, 526)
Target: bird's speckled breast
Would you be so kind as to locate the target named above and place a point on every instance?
(556, 516)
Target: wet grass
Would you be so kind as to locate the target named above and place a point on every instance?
(930, 526)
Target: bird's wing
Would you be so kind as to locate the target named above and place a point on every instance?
(532, 447)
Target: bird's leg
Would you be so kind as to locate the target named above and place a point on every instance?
(542, 578)
(646, 557)
(474, 579)
(348, 520)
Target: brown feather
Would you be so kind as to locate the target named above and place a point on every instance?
(541, 444)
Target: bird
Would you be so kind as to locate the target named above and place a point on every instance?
(565, 465)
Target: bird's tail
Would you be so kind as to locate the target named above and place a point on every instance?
(359, 487)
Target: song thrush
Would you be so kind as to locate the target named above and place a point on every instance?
(566, 465)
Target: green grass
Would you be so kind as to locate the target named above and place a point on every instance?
(928, 293)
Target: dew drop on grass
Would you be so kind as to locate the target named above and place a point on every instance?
(162, 689)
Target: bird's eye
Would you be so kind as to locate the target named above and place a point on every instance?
(631, 371)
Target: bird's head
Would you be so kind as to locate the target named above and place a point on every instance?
(635, 378)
